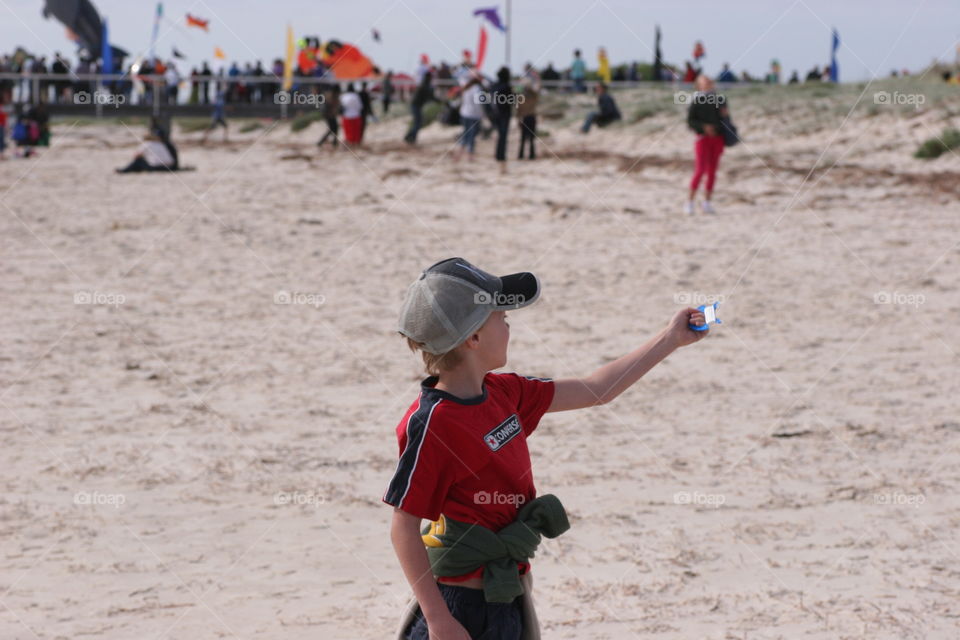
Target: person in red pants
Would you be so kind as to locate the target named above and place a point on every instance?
(706, 109)
(351, 109)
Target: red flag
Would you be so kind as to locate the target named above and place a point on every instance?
(698, 50)
(481, 47)
(193, 21)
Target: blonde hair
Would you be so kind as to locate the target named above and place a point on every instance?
(435, 364)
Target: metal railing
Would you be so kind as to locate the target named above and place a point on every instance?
(152, 93)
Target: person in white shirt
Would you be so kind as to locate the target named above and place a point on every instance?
(351, 107)
(472, 99)
(172, 77)
(152, 155)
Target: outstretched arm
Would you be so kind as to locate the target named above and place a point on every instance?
(612, 379)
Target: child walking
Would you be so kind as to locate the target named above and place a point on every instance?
(464, 463)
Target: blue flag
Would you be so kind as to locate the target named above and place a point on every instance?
(106, 53)
(834, 70)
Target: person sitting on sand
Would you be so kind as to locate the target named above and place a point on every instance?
(160, 131)
(152, 155)
(606, 112)
(464, 463)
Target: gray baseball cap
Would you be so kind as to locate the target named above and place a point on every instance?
(452, 299)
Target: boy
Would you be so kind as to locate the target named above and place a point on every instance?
(464, 462)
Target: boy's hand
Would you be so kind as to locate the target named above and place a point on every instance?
(678, 331)
(447, 628)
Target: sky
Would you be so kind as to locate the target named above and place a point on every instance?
(876, 35)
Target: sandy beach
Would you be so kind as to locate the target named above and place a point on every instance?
(201, 376)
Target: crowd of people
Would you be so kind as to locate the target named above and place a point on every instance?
(481, 106)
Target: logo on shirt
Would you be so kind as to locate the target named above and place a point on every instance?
(503, 433)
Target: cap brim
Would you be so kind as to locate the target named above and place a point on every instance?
(518, 290)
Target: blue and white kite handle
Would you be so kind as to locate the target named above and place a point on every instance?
(709, 316)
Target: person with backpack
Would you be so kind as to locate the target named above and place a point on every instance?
(708, 110)
(527, 115)
(607, 110)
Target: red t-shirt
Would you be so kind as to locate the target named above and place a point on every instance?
(467, 458)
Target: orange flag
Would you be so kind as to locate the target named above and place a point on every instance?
(193, 21)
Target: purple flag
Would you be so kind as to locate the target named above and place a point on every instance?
(491, 15)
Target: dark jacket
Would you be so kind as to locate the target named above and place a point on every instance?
(705, 109)
(501, 98)
(455, 548)
(423, 95)
(608, 107)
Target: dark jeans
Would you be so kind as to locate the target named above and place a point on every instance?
(417, 112)
(528, 133)
(483, 620)
(138, 165)
(333, 128)
(503, 127)
(596, 118)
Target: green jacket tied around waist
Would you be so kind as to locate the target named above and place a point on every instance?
(457, 548)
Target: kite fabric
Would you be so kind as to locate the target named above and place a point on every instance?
(288, 63)
(481, 47)
(346, 61)
(80, 18)
(491, 15)
(83, 26)
(219, 54)
(193, 21)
